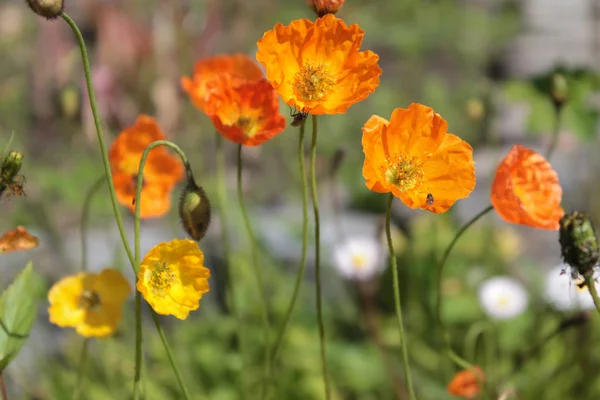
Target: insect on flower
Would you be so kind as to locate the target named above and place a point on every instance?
(430, 199)
(298, 116)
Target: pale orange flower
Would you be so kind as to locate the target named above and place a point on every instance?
(244, 112)
(526, 190)
(317, 67)
(237, 65)
(322, 7)
(467, 384)
(161, 173)
(17, 239)
(413, 157)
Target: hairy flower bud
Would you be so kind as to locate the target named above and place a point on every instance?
(49, 9)
(322, 7)
(578, 242)
(11, 165)
(194, 209)
(559, 89)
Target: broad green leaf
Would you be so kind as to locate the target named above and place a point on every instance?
(17, 313)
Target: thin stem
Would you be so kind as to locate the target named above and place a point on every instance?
(222, 200)
(3, 387)
(388, 233)
(84, 218)
(555, 132)
(98, 125)
(138, 257)
(315, 201)
(81, 369)
(257, 272)
(591, 285)
(300, 275)
(165, 343)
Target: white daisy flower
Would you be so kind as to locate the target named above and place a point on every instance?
(359, 258)
(503, 298)
(564, 293)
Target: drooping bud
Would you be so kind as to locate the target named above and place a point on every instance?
(49, 9)
(559, 90)
(578, 243)
(194, 209)
(322, 7)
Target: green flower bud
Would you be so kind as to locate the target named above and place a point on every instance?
(194, 209)
(10, 166)
(49, 9)
(559, 89)
(578, 242)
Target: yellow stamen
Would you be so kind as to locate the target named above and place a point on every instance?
(161, 278)
(405, 173)
(313, 83)
(503, 301)
(247, 124)
(359, 262)
(89, 300)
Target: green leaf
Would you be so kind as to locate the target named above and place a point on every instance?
(17, 313)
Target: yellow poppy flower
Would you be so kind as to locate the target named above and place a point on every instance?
(316, 66)
(90, 303)
(172, 277)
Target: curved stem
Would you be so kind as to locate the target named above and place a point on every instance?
(555, 132)
(103, 152)
(222, 200)
(300, 275)
(3, 391)
(257, 272)
(84, 219)
(315, 201)
(591, 285)
(397, 302)
(81, 369)
(138, 257)
(165, 342)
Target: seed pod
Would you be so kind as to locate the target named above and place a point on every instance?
(49, 9)
(578, 242)
(194, 209)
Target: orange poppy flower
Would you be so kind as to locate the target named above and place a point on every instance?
(322, 7)
(161, 173)
(413, 157)
(466, 384)
(17, 239)
(244, 112)
(526, 190)
(238, 65)
(316, 66)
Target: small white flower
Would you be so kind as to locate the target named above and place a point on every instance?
(563, 293)
(359, 258)
(503, 298)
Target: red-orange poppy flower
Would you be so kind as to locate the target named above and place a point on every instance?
(466, 383)
(526, 190)
(413, 157)
(244, 112)
(161, 173)
(17, 239)
(317, 66)
(237, 65)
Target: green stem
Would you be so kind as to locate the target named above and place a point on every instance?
(591, 285)
(103, 152)
(138, 257)
(222, 200)
(315, 201)
(398, 305)
(165, 342)
(257, 272)
(84, 219)
(81, 369)
(3, 391)
(300, 275)
(555, 132)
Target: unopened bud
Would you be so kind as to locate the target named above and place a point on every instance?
(49, 9)
(10, 166)
(475, 109)
(194, 209)
(578, 242)
(559, 89)
(322, 7)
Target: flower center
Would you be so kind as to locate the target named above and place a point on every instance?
(405, 173)
(313, 83)
(246, 124)
(359, 262)
(161, 278)
(503, 301)
(89, 300)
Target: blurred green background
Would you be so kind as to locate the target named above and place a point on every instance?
(481, 64)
